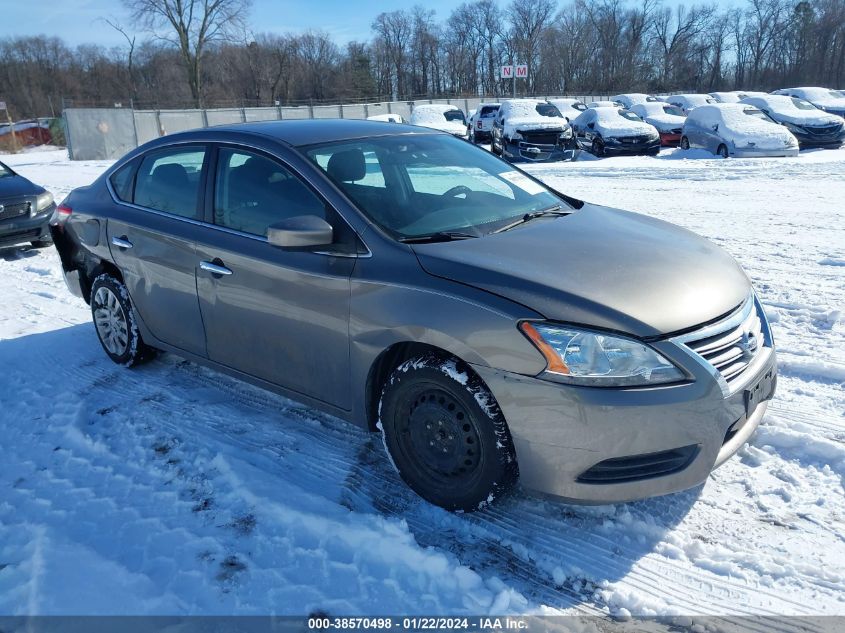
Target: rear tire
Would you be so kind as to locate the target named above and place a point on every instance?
(445, 433)
(115, 323)
(722, 151)
(684, 143)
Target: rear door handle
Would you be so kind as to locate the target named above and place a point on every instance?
(215, 269)
(121, 242)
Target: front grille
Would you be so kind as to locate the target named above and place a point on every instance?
(636, 467)
(827, 130)
(544, 137)
(732, 345)
(9, 211)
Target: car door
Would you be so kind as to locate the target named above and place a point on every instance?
(151, 240)
(275, 314)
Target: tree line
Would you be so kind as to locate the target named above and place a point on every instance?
(185, 53)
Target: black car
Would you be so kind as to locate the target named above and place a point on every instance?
(606, 131)
(25, 210)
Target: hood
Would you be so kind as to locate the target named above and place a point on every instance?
(536, 123)
(12, 186)
(811, 119)
(625, 128)
(601, 268)
(666, 121)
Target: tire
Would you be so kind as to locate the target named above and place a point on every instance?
(44, 243)
(684, 143)
(445, 434)
(115, 324)
(722, 151)
(497, 152)
(653, 152)
(597, 148)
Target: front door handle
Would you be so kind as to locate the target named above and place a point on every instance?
(121, 242)
(215, 269)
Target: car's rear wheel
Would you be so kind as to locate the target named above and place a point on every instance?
(114, 321)
(597, 148)
(722, 150)
(684, 142)
(445, 433)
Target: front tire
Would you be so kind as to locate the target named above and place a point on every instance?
(445, 434)
(722, 150)
(684, 143)
(115, 323)
(597, 148)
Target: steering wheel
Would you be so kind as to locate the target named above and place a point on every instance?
(457, 190)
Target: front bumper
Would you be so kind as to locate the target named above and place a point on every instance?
(670, 139)
(820, 140)
(632, 149)
(763, 153)
(561, 432)
(26, 228)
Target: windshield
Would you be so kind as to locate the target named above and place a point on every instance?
(547, 109)
(455, 115)
(803, 105)
(417, 185)
(627, 114)
(757, 114)
(673, 110)
(5, 171)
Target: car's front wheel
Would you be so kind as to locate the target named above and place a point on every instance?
(597, 148)
(114, 321)
(445, 433)
(684, 142)
(722, 150)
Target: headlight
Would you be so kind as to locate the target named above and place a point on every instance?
(611, 140)
(791, 141)
(43, 202)
(595, 359)
(566, 134)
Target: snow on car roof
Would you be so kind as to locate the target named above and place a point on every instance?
(431, 113)
(735, 117)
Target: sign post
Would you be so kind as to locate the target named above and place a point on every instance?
(514, 72)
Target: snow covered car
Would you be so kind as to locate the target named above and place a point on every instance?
(630, 99)
(736, 129)
(446, 118)
(666, 118)
(531, 130)
(411, 283)
(689, 102)
(25, 210)
(613, 131)
(726, 97)
(811, 126)
(480, 124)
(568, 107)
(387, 118)
(604, 104)
(823, 98)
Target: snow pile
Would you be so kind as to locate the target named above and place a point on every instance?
(432, 115)
(742, 129)
(784, 108)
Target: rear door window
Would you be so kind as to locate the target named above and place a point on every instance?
(169, 180)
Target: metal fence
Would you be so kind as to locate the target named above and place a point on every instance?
(108, 133)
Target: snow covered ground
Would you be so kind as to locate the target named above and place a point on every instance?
(171, 489)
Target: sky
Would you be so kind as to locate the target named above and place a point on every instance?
(81, 21)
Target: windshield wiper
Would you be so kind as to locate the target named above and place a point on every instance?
(531, 215)
(439, 236)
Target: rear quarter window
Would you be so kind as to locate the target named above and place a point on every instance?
(122, 181)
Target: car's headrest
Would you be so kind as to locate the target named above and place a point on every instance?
(347, 166)
(171, 174)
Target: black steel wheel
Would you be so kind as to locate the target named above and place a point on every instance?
(447, 447)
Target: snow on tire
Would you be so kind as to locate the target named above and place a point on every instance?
(445, 434)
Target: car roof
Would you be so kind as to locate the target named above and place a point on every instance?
(314, 131)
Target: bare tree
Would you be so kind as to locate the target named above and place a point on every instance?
(193, 26)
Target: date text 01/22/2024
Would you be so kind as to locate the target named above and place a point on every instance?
(418, 623)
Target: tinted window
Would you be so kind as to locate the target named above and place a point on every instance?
(454, 115)
(169, 180)
(488, 112)
(625, 114)
(673, 110)
(5, 171)
(252, 192)
(121, 181)
(803, 105)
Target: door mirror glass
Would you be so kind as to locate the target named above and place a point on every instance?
(302, 231)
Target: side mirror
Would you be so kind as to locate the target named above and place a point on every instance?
(716, 128)
(302, 231)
